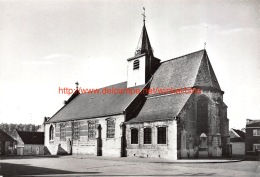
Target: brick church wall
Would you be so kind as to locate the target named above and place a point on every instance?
(216, 124)
(155, 150)
(84, 145)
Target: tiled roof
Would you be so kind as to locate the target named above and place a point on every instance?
(31, 137)
(95, 105)
(239, 133)
(161, 108)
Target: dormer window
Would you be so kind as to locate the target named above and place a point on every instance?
(136, 64)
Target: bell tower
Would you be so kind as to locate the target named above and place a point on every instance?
(142, 66)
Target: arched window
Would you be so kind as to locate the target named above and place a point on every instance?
(202, 116)
(51, 133)
(136, 64)
(134, 136)
(147, 136)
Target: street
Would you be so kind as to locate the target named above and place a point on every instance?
(79, 165)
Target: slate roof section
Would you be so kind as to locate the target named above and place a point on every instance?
(179, 72)
(190, 70)
(31, 137)
(91, 105)
(206, 76)
(162, 107)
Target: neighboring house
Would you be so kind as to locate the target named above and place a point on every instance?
(7, 144)
(30, 143)
(189, 121)
(237, 141)
(252, 136)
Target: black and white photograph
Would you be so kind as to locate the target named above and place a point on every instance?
(130, 88)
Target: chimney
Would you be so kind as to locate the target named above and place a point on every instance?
(248, 121)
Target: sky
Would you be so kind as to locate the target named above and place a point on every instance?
(50, 44)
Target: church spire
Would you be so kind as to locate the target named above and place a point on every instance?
(144, 45)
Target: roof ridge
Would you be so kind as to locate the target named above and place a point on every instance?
(198, 69)
(207, 61)
(183, 56)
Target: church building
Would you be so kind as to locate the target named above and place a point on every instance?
(178, 112)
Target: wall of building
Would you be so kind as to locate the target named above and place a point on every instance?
(7, 147)
(84, 145)
(238, 148)
(137, 76)
(217, 125)
(30, 149)
(155, 150)
(251, 140)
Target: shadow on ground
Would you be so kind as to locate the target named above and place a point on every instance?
(8, 169)
(29, 157)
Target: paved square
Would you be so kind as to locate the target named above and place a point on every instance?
(108, 166)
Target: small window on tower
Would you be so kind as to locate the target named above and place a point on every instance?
(136, 64)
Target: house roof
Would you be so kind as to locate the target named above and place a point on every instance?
(237, 139)
(252, 123)
(239, 133)
(31, 137)
(5, 136)
(162, 107)
(91, 105)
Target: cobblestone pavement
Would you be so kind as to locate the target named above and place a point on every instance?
(101, 166)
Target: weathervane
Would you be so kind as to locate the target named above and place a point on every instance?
(205, 45)
(144, 15)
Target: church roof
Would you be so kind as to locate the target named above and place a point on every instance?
(190, 70)
(91, 105)
(144, 45)
(186, 71)
(161, 108)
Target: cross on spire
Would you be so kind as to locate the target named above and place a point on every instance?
(143, 14)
